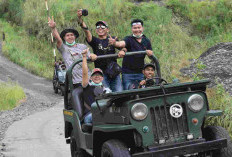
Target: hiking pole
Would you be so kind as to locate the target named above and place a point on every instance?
(46, 4)
(54, 50)
(52, 41)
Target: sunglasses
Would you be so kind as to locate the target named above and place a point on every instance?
(101, 26)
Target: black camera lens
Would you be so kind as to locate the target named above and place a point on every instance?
(149, 82)
(84, 12)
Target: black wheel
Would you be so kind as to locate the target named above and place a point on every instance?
(75, 151)
(217, 132)
(62, 89)
(114, 148)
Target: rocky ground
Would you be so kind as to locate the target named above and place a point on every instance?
(215, 64)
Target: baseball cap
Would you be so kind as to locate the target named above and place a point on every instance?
(95, 70)
(102, 22)
(149, 64)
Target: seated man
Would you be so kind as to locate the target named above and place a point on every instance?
(90, 85)
(148, 72)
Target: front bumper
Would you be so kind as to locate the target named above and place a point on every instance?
(184, 148)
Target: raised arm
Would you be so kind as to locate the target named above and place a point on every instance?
(55, 33)
(84, 26)
(85, 78)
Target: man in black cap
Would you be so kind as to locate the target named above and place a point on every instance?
(149, 73)
(100, 46)
(70, 49)
(132, 66)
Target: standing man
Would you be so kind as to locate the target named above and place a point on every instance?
(100, 46)
(132, 66)
(71, 51)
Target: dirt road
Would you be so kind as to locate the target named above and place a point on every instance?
(35, 127)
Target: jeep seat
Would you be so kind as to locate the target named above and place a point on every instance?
(77, 102)
(78, 106)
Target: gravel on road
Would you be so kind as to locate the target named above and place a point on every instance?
(39, 95)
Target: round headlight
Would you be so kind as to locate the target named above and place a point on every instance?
(139, 111)
(195, 102)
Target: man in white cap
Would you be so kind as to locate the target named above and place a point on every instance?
(71, 51)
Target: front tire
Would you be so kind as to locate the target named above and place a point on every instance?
(75, 151)
(217, 132)
(114, 148)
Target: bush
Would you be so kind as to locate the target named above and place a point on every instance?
(10, 95)
(206, 16)
(12, 10)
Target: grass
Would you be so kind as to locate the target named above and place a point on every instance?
(27, 51)
(220, 100)
(10, 96)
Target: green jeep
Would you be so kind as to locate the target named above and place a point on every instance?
(165, 120)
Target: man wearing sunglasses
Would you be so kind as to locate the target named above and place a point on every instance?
(132, 66)
(100, 46)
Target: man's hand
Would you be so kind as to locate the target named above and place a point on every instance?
(149, 52)
(111, 40)
(121, 54)
(51, 23)
(93, 57)
(84, 52)
(143, 82)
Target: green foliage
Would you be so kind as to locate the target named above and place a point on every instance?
(12, 10)
(220, 100)
(10, 95)
(35, 55)
(207, 17)
(198, 75)
(178, 6)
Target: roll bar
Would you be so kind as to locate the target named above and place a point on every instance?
(69, 71)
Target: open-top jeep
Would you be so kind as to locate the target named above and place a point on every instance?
(165, 120)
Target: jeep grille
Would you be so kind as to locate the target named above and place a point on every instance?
(165, 126)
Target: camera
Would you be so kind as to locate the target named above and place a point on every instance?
(84, 12)
(149, 82)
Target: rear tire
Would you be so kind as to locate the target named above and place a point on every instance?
(217, 132)
(114, 148)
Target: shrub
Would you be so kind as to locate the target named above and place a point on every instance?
(10, 95)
